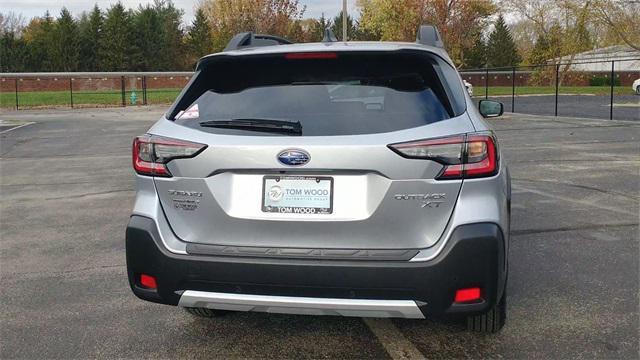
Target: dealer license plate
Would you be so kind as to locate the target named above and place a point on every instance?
(297, 194)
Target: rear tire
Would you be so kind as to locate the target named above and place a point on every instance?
(638, 90)
(205, 313)
(491, 322)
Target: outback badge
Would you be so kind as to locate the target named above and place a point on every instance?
(293, 157)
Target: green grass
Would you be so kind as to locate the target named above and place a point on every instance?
(31, 99)
(551, 90)
(34, 99)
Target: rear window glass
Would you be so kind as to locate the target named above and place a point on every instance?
(350, 94)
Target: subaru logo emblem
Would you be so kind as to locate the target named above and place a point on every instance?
(293, 157)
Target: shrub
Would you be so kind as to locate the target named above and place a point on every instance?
(603, 81)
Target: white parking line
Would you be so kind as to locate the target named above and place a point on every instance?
(396, 344)
(17, 127)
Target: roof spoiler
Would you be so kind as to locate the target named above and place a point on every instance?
(429, 35)
(249, 39)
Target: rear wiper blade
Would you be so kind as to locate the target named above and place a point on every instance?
(264, 125)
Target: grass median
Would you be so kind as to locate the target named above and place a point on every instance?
(34, 99)
(30, 99)
(551, 90)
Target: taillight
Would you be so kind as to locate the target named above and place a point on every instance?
(152, 153)
(463, 156)
(482, 156)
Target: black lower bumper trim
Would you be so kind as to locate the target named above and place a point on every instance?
(303, 253)
(474, 256)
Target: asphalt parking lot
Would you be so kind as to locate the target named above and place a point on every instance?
(67, 190)
(625, 107)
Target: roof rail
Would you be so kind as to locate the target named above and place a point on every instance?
(429, 35)
(329, 36)
(249, 39)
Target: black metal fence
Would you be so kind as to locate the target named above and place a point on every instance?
(592, 89)
(38, 90)
(597, 89)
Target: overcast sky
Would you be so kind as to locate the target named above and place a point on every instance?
(31, 8)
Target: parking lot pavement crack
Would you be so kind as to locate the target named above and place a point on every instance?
(88, 194)
(19, 142)
(69, 156)
(575, 201)
(22, 275)
(586, 187)
(54, 184)
(590, 125)
(396, 344)
(571, 228)
(576, 126)
(591, 161)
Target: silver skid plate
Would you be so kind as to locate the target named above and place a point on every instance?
(302, 305)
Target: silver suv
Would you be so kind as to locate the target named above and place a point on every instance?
(331, 178)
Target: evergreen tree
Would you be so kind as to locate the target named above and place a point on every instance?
(65, 43)
(91, 39)
(352, 27)
(39, 36)
(501, 49)
(13, 52)
(540, 52)
(173, 47)
(199, 39)
(118, 37)
(476, 56)
(148, 39)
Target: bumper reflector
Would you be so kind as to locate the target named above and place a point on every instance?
(466, 295)
(148, 281)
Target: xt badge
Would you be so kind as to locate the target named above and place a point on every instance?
(425, 200)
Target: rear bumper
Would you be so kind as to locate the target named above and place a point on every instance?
(474, 256)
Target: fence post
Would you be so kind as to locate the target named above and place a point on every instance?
(124, 103)
(17, 107)
(557, 85)
(486, 82)
(71, 90)
(612, 84)
(144, 89)
(513, 89)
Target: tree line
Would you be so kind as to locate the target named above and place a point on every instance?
(149, 38)
(153, 37)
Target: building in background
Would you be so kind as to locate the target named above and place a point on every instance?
(626, 58)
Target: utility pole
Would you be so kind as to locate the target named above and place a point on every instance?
(344, 20)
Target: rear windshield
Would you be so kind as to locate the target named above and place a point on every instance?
(344, 94)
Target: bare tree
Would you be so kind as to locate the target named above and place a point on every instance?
(11, 23)
(563, 23)
(621, 17)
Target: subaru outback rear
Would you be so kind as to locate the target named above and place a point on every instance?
(331, 178)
